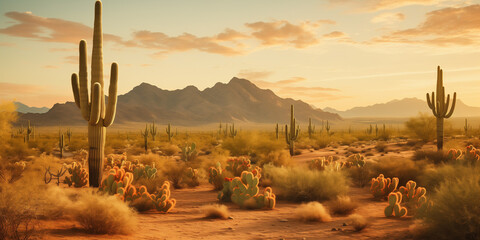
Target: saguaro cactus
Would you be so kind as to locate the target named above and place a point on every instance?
(169, 132)
(291, 136)
(276, 131)
(311, 129)
(94, 110)
(440, 107)
(153, 131)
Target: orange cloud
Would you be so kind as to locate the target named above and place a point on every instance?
(444, 27)
(388, 17)
(379, 5)
(50, 67)
(181, 43)
(335, 34)
(284, 33)
(49, 29)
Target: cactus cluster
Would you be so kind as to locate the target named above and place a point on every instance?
(78, 176)
(453, 155)
(440, 106)
(94, 110)
(472, 155)
(323, 163)
(192, 175)
(236, 165)
(394, 209)
(141, 171)
(189, 153)
(159, 200)
(381, 187)
(116, 182)
(233, 131)
(412, 196)
(244, 191)
(291, 137)
(355, 160)
(311, 128)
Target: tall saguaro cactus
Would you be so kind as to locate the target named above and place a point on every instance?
(440, 107)
(291, 136)
(93, 109)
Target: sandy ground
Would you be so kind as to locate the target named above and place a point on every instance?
(186, 220)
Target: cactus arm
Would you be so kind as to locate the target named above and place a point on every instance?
(96, 104)
(431, 103)
(112, 96)
(75, 89)
(445, 107)
(82, 75)
(287, 134)
(453, 105)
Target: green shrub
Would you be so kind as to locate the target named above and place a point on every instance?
(301, 184)
(403, 168)
(456, 211)
(422, 127)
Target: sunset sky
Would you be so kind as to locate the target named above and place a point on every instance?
(329, 53)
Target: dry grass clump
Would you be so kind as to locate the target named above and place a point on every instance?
(456, 212)
(403, 168)
(422, 127)
(301, 184)
(17, 213)
(381, 147)
(170, 149)
(215, 211)
(343, 205)
(432, 178)
(277, 158)
(433, 156)
(358, 222)
(312, 212)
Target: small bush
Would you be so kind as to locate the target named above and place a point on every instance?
(358, 222)
(431, 156)
(312, 211)
(381, 147)
(100, 214)
(301, 184)
(277, 158)
(216, 211)
(432, 178)
(343, 205)
(403, 168)
(422, 127)
(170, 149)
(17, 213)
(455, 213)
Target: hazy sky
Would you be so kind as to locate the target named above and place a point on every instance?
(335, 53)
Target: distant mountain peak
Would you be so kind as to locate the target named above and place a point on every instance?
(22, 108)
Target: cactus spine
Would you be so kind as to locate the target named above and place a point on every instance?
(291, 137)
(153, 131)
(169, 133)
(440, 107)
(311, 130)
(94, 110)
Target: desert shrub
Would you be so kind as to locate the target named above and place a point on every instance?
(343, 205)
(348, 139)
(322, 142)
(431, 156)
(252, 144)
(381, 147)
(361, 176)
(403, 168)
(422, 127)
(77, 143)
(433, 177)
(215, 211)
(170, 149)
(358, 222)
(241, 145)
(277, 158)
(301, 184)
(455, 213)
(17, 213)
(312, 211)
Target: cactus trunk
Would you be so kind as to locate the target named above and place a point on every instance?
(439, 133)
(96, 142)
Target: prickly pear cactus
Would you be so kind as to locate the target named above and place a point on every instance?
(225, 195)
(78, 176)
(381, 187)
(355, 160)
(245, 192)
(141, 171)
(394, 209)
(215, 176)
(472, 155)
(453, 155)
(116, 179)
(236, 165)
(321, 163)
(412, 196)
(162, 200)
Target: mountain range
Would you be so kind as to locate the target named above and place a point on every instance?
(237, 101)
(22, 108)
(407, 107)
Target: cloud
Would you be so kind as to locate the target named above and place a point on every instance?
(285, 33)
(289, 88)
(50, 67)
(181, 43)
(388, 18)
(444, 27)
(49, 29)
(334, 34)
(254, 75)
(7, 44)
(229, 42)
(379, 5)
